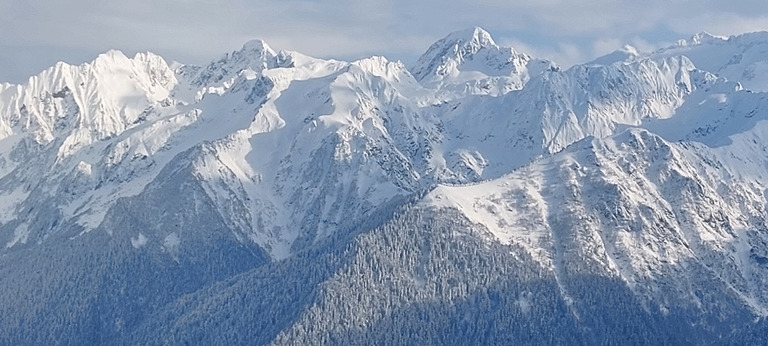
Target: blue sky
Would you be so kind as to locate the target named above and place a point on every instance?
(38, 33)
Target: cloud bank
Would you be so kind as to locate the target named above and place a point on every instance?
(38, 33)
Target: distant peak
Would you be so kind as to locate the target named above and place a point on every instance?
(255, 55)
(149, 57)
(254, 51)
(380, 66)
(475, 36)
(750, 38)
(110, 58)
(452, 50)
(624, 54)
(114, 58)
(112, 54)
(705, 37)
(373, 60)
(473, 51)
(257, 45)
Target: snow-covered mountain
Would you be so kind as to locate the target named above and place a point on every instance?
(469, 62)
(739, 58)
(480, 195)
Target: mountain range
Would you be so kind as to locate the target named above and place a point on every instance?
(480, 196)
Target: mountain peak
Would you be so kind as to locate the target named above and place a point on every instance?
(626, 53)
(257, 46)
(253, 52)
(705, 37)
(474, 37)
(113, 53)
(472, 55)
(448, 53)
(255, 55)
(110, 57)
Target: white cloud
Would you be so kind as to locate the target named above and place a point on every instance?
(605, 46)
(36, 33)
(721, 24)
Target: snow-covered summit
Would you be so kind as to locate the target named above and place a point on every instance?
(85, 103)
(447, 54)
(625, 54)
(470, 62)
(472, 39)
(702, 38)
(255, 55)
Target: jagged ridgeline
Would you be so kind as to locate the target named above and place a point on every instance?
(481, 196)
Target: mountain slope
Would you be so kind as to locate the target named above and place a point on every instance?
(636, 207)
